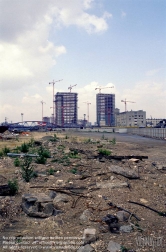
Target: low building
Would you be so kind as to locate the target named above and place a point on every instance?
(152, 122)
(131, 119)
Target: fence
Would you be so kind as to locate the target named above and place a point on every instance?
(149, 132)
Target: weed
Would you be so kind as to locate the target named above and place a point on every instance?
(113, 141)
(41, 160)
(24, 148)
(44, 152)
(51, 171)
(74, 170)
(16, 162)
(1, 154)
(123, 249)
(54, 139)
(27, 169)
(13, 185)
(104, 152)
(103, 137)
(63, 160)
(87, 141)
(66, 137)
(5, 150)
(61, 147)
(34, 174)
(74, 154)
(31, 142)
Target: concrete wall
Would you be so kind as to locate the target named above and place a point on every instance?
(149, 132)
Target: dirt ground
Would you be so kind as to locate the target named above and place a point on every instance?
(81, 178)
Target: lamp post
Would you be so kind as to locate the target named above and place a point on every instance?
(42, 102)
(22, 117)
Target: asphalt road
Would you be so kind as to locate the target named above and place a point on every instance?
(123, 137)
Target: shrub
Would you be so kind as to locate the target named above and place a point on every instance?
(13, 185)
(73, 154)
(51, 171)
(5, 150)
(44, 152)
(27, 169)
(74, 171)
(24, 148)
(16, 162)
(113, 141)
(41, 160)
(1, 154)
(104, 152)
(87, 141)
(31, 142)
(54, 139)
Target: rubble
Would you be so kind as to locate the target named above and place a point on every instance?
(72, 194)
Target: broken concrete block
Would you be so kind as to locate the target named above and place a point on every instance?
(126, 229)
(89, 235)
(86, 248)
(113, 247)
(39, 205)
(126, 172)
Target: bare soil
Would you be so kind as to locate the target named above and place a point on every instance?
(84, 170)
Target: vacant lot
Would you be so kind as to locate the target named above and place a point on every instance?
(84, 171)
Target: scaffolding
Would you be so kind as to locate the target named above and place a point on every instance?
(66, 109)
(105, 104)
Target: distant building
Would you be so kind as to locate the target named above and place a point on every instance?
(152, 122)
(46, 119)
(66, 109)
(105, 109)
(131, 119)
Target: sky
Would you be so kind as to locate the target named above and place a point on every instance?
(118, 45)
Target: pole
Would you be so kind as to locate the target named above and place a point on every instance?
(22, 117)
(42, 109)
(88, 103)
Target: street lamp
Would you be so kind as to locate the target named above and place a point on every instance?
(42, 102)
(22, 117)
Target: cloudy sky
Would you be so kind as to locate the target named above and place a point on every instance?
(91, 43)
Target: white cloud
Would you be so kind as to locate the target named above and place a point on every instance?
(153, 72)
(28, 54)
(148, 96)
(123, 14)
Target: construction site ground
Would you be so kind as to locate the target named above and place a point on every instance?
(86, 174)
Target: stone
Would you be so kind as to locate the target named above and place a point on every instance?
(60, 198)
(126, 229)
(122, 215)
(86, 248)
(135, 160)
(85, 215)
(89, 235)
(113, 247)
(126, 172)
(111, 185)
(52, 194)
(143, 201)
(161, 167)
(38, 205)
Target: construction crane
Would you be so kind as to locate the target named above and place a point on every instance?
(71, 87)
(125, 102)
(102, 88)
